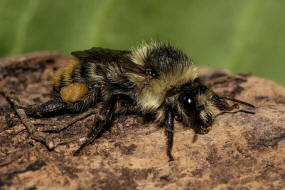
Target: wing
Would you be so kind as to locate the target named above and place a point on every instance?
(99, 55)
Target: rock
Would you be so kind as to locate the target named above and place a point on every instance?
(242, 151)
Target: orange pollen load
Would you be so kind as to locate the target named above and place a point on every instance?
(73, 92)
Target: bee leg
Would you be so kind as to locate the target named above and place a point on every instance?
(105, 119)
(87, 101)
(52, 105)
(57, 104)
(169, 126)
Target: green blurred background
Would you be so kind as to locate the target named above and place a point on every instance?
(238, 35)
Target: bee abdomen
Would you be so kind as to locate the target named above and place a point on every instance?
(69, 83)
(64, 75)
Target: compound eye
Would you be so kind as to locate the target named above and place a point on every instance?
(187, 101)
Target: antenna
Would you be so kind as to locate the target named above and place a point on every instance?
(236, 106)
(239, 101)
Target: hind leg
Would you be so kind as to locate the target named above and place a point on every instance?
(87, 101)
(51, 106)
(57, 104)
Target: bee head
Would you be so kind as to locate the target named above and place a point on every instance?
(199, 106)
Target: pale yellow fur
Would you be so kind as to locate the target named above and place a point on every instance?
(92, 74)
(209, 107)
(138, 54)
(153, 91)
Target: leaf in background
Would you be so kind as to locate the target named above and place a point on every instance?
(243, 36)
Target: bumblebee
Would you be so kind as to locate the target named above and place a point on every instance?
(155, 78)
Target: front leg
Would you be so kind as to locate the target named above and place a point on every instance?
(169, 126)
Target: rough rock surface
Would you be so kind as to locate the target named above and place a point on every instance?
(242, 151)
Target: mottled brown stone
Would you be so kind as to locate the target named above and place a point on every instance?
(242, 151)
